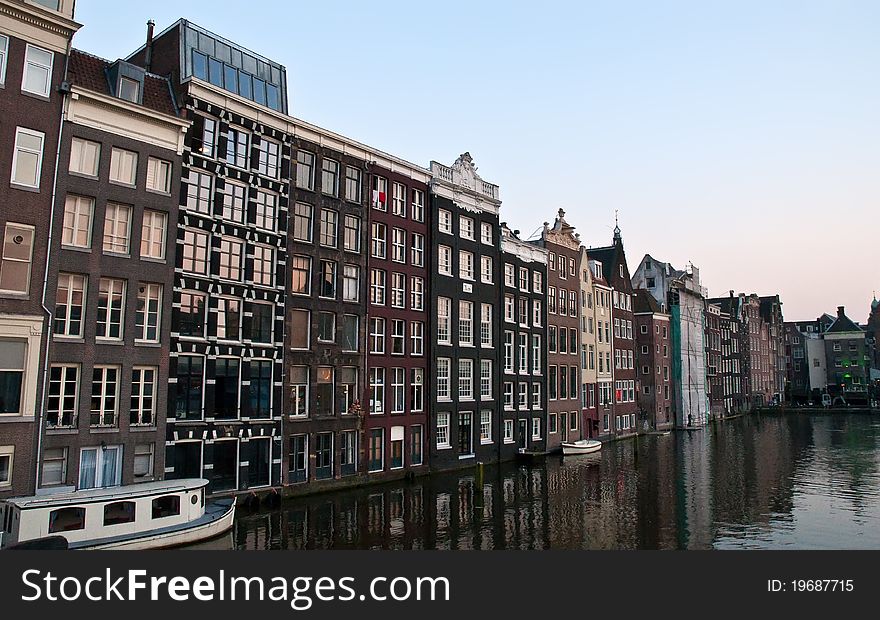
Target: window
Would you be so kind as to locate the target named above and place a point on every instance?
(508, 395)
(352, 184)
(305, 170)
(159, 175)
(117, 224)
(465, 323)
(524, 279)
(54, 467)
(486, 325)
(237, 147)
(486, 233)
(198, 191)
(4, 53)
(327, 280)
(264, 265)
(466, 379)
(486, 379)
(228, 318)
(325, 390)
(508, 431)
(465, 433)
(67, 520)
(417, 389)
(226, 387)
(268, 158)
(299, 390)
(234, 198)
(537, 282)
(465, 265)
(165, 506)
(123, 167)
(348, 380)
(417, 338)
(143, 396)
(415, 445)
(444, 320)
(444, 221)
(417, 293)
(188, 397)
(301, 275)
(377, 390)
(523, 353)
(84, 155)
(15, 267)
(485, 427)
(129, 89)
(266, 210)
(536, 354)
(509, 275)
(147, 315)
(398, 290)
(466, 227)
(398, 337)
(536, 395)
(302, 222)
(326, 327)
(380, 193)
(418, 250)
(443, 378)
(62, 407)
(444, 260)
(508, 352)
(230, 254)
(143, 462)
(191, 315)
(111, 304)
(105, 394)
(398, 390)
(536, 313)
(377, 335)
(27, 159)
(153, 234)
(398, 245)
(523, 396)
(379, 240)
(352, 234)
(37, 75)
(350, 324)
(195, 252)
(377, 287)
(12, 367)
(486, 269)
(398, 199)
(509, 309)
(351, 283)
(418, 205)
(536, 428)
(329, 227)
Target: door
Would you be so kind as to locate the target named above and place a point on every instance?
(523, 440)
(564, 418)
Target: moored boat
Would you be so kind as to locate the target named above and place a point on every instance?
(151, 515)
(581, 446)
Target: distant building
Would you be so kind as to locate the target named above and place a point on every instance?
(682, 294)
(714, 376)
(653, 359)
(846, 359)
(734, 358)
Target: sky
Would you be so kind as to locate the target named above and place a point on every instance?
(739, 136)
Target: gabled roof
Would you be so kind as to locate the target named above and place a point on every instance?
(90, 72)
(607, 256)
(842, 324)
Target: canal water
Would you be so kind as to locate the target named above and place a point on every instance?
(800, 481)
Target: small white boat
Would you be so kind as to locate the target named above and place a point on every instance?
(581, 446)
(151, 515)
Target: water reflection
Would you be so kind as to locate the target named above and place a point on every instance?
(795, 481)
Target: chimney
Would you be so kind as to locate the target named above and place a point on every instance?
(839, 312)
(148, 48)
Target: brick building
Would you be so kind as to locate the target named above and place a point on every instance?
(653, 348)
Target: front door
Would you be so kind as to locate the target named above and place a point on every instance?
(564, 418)
(523, 437)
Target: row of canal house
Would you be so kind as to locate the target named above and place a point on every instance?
(223, 290)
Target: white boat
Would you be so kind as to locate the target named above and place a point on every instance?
(581, 446)
(151, 515)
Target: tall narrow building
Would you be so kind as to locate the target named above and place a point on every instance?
(564, 411)
(603, 313)
(395, 422)
(464, 280)
(589, 333)
(111, 277)
(35, 38)
(523, 353)
(225, 398)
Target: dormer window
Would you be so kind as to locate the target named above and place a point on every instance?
(129, 89)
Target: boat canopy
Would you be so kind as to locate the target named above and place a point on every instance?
(107, 493)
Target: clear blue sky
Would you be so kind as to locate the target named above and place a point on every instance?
(742, 136)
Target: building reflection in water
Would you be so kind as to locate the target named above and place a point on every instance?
(750, 482)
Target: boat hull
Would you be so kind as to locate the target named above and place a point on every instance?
(587, 447)
(163, 540)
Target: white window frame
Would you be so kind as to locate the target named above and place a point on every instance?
(29, 61)
(39, 153)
